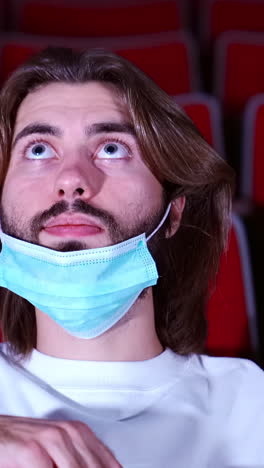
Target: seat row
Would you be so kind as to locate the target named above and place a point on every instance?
(205, 111)
(84, 18)
(171, 59)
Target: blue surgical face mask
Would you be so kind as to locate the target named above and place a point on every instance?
(86, 292)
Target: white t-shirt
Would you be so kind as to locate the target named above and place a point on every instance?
(167, 412)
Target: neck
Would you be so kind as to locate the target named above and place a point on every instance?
(133, 338)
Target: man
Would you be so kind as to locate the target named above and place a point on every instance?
(114, 212)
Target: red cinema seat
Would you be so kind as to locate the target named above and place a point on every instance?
(252, 167)
(232, 329)
(82, 18)
(205, 112)
(238, 69)
(168, 58)
(218, 16)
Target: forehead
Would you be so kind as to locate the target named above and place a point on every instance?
(64, 100)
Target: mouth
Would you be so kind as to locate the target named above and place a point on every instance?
(72, 226)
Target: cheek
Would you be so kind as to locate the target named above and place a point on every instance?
(150, 189)
(138, 194)
(22, 194)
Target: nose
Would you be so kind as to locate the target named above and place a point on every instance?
(77, 181)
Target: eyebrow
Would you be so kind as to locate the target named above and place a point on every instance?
(94, 129)
(42, 128)
(110, 127)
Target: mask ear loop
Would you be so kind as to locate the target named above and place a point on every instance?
(161, 223)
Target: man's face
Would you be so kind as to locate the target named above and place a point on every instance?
(76, 178)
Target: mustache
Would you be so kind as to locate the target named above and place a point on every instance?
(78, 206)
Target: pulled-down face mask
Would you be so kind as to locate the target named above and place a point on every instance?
(87, 291)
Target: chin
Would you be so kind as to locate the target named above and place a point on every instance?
(70, 246)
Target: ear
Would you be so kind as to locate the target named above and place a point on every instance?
(177, 207)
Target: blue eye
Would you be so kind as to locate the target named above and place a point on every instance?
(39, 151)
(113, 150)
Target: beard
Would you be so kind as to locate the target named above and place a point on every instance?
(29, 231)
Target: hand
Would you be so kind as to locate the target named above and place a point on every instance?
(41, 443)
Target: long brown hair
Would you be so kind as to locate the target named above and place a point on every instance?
(181, 160)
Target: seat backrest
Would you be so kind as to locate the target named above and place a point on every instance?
(232, 329)
(82, 18)
(168, 58)
(205, 112)
(238, 69)
(252, 167)
(218, 16)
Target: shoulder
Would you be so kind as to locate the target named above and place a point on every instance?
(231, 386)
(242, 371)
(5, 362)
(3, 353)
(9, 378)
(235, 375)
(8, 361)
(238, 385)
(220, 365)
(234, 391)
(239, 403)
